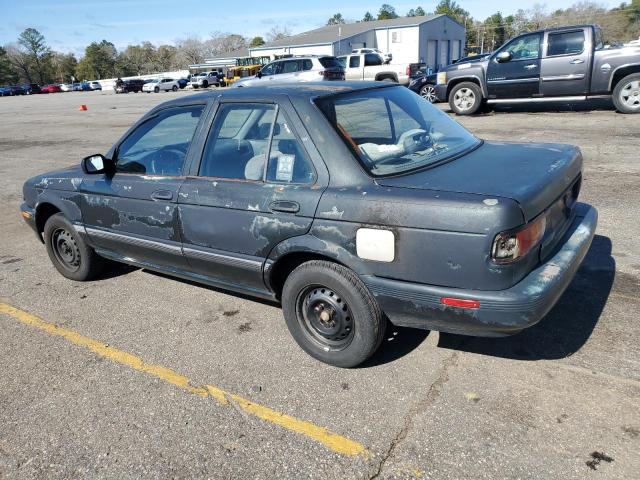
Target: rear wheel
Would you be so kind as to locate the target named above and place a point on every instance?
(68, 252)
(156, 89)
(205, 84)
(465, 98)
(174, 88)
(331, 314)
(428, 92)
(626, 95)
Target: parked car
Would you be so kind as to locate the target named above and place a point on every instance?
(296, 69)
(386, 57)
(95, 86)
(31, 88)
(377, 205)
(425, 85)
(182, 82)
(52, 88)
(66, 87)
(81, 87)
(132, 85)
(568, 64)
(5, 91)
(160, 85)
(206, 79)
(18, 90)
(369, 66)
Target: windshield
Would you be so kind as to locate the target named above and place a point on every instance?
(393, 130)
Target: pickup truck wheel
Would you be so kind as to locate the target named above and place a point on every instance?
(68, 252)
(465, 98)
(626, 95)
(205, 84)
(331, 314)
(156, 90)
(428, 92)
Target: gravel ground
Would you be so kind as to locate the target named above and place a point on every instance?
(540, 404)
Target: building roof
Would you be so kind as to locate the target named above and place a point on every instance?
(329, 33)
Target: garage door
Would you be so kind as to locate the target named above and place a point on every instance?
(455, 50)
(432, 54)
(444, 53)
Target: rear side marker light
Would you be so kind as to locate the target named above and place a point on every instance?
(460, 302)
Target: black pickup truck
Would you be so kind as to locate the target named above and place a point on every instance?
(568, 64)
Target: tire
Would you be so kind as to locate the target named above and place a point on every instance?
(428, 92)
(174, 88)
(626, 94)
(388, 79)
(156, 89)
(68, 252)
(465, 98)
(205, 84)
(331, 314)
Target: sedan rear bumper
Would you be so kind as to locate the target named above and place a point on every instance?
(500, 313)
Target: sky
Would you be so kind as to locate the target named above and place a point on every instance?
(70, 25)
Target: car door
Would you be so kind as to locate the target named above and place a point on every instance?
(132, 214)
(236, 206)
(290, 71)
(519, 76)
(566, 63)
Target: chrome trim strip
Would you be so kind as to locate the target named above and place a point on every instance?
(554, 78)
(214, 256)
(515, 80)
(538, 100)
(135, 241)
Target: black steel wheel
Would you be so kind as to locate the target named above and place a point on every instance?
(331, 314)
(68, 251)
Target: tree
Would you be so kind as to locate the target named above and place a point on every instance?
(190, 51)
(336, 19)
(221, 43)
(20, 62)
(495, 31)
(451, 8)
(256, 42)
(278, 33)
(63, 66)
(35, 47)
(368, 17)
(387, 12)
(99, 61)
(166, 58)
(420, 12)
(7, 73)
(411, 13)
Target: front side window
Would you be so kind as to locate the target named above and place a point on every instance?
(159, 146)
(268, 69)
(526, 47)
(392, 130)
(372, 59)
(566, 43)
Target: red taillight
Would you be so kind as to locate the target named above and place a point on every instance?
(408, 70)
(460, 302)
(510, 246)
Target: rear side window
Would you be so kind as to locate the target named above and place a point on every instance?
(354, 62)
(291, 66)
(329, 62)
(159, 146)
(288, 162)
(372, 59)
(307, 64)
(566, 43)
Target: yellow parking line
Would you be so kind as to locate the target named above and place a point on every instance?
(331, 440)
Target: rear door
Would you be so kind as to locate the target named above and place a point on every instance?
(236, 205)
(518, 77)
(290, 71)
(566, 63)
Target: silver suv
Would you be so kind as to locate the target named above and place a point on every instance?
(296, 69)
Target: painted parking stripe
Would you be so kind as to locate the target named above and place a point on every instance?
(331, 440)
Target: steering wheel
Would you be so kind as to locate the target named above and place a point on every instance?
(167, 161)
(414, 140)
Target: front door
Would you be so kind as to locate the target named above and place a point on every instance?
(256, 186)
(565, 65)
(519, 75)
(133, 213)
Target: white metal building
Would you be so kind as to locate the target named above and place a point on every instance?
(436, 40)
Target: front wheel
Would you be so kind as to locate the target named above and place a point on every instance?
(331, 314)
(68, 252)
(428, 92)
(626, 95)
(205, 84)
(465, 98)
(157, 89)
(174, 88)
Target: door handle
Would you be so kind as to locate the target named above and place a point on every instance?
(531, 66)
(577, 61)
(162, 195)
(285, 206)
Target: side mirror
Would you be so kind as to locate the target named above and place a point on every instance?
(259, 74)
(94, 164)
(503, 57)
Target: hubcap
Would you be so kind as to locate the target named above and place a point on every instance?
(464, 99)
(325, 317)
(65, 249)
(630, 95)
(428, 92)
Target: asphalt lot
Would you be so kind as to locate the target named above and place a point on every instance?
(429, 405)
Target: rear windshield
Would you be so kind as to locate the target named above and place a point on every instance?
(393, 130)
(329, 62)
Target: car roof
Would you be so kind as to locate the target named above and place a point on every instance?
(306, 90)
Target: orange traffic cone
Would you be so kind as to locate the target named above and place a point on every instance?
(83, 108)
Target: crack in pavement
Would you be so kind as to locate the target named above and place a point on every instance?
(432, 395)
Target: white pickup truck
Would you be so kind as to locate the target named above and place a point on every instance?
(371, 66)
